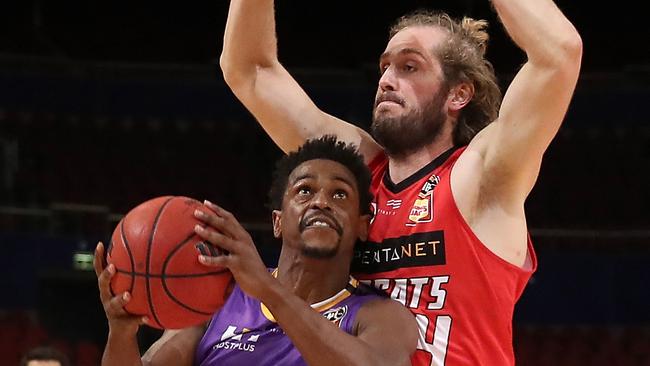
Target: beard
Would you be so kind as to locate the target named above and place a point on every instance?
(410, 132)
(319, 253)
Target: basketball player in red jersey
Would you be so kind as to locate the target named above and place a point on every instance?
(452, 162)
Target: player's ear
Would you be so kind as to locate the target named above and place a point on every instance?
(276, 216)
(364, 225)
(460, 95)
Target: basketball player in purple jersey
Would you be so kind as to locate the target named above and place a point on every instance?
(309, 311)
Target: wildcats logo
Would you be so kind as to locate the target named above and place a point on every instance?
(422, 209)
(419, 249)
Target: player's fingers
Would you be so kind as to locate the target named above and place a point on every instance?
(216, 238)
(115, 306)
(212, 261)
(217, 209)
(98, 260)
(104, 283)
(214, 220)
(230, 223)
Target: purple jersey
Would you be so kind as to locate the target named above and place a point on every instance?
(244, 332)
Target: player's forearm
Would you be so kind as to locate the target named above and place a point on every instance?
(249, 39)
(121, 351)
(540, 29)
(319, 341)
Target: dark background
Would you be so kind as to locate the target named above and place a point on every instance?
(331, 34)
(106, 104)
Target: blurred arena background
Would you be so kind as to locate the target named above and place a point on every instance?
(105, 105)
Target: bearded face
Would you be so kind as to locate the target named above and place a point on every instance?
(412, 129)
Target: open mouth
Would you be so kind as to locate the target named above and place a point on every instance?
(320, 221)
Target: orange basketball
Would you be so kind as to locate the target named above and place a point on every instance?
(155, 253)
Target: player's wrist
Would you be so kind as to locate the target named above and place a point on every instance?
(272, 293)
(119, 329)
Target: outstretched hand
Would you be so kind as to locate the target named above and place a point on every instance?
(236, 248)
(118, 319)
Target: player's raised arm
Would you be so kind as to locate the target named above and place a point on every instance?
(536, 101)
(174, 347)
(252, 70)
(121, 345)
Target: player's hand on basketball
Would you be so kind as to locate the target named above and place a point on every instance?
(237, 252)
(118, 319)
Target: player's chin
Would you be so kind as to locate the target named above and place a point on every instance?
(319, 252)
(386, 119)
(320, 244)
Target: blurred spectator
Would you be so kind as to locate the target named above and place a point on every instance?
(44, 356)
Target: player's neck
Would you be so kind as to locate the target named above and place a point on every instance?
(313, 280)
(402, 167)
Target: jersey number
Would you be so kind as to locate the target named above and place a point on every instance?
(438, 346)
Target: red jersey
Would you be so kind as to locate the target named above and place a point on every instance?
(421, 251)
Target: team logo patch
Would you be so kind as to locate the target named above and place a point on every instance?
(422, 209)
(336, 315)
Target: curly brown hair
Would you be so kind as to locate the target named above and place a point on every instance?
(462, 58)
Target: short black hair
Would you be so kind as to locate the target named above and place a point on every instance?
(45, 353)
(329, 148)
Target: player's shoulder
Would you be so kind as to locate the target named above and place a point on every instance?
(370, 297)
(482, 140)
(380, 311)
(376, 300)
(362, 289)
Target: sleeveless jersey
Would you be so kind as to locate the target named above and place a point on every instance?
(244, 331)
(422, 252)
